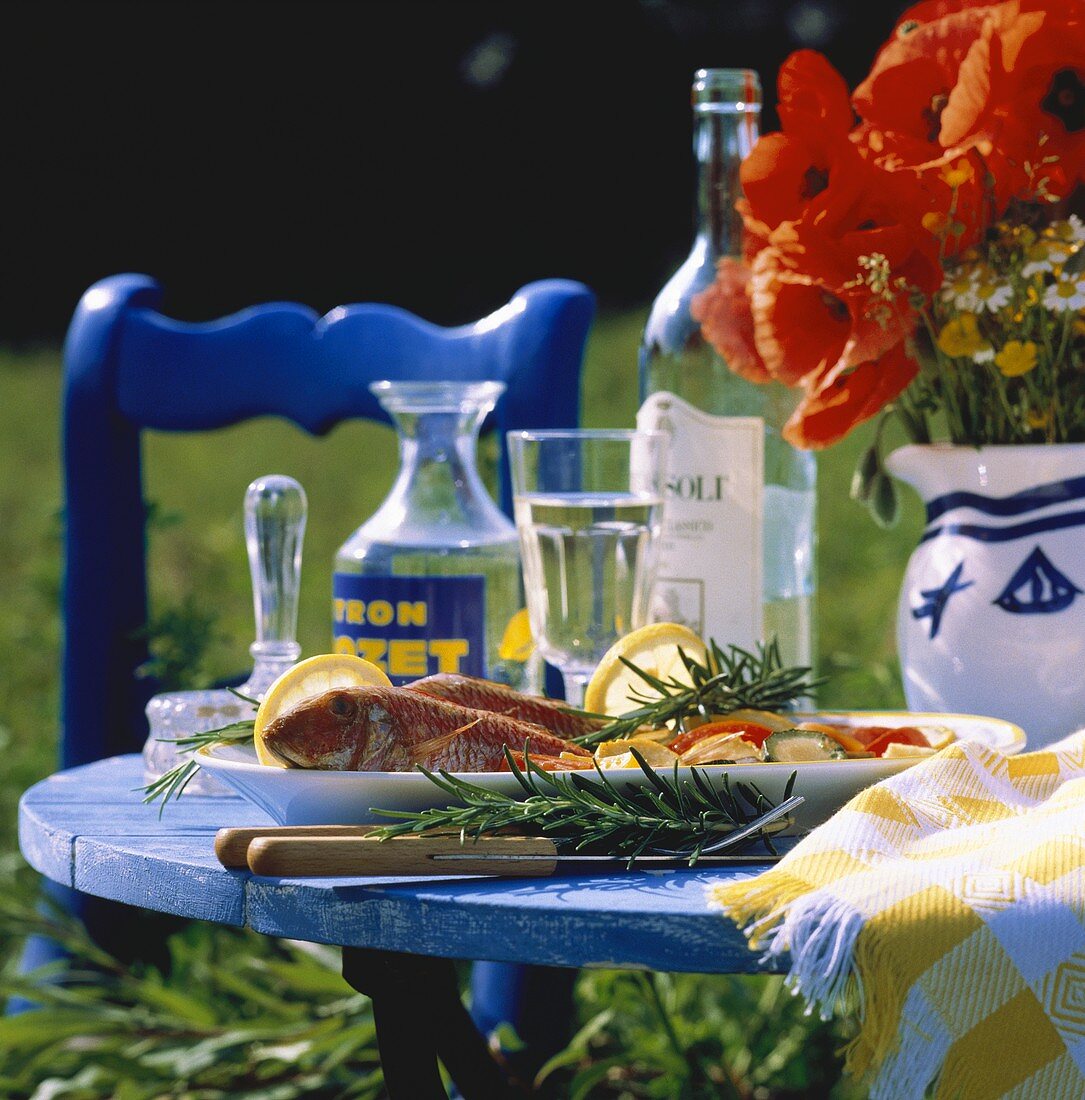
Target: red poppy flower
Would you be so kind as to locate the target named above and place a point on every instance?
(1020, 96)
(786, 170)
(801, 327)
(830, 408)
(809, 323)
(871, 212)
(916, 70)
(723, 312)
(954, 202)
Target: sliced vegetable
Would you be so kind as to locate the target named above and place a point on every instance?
(868, 734)
(905, 735)
(751, 731)
(775, 722)
(842, 736)
(566, 762)
(797, 746)
(722, 748)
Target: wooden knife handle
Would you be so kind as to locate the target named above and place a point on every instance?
(232, 845)
(322, 856)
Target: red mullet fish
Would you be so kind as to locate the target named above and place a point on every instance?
(470, 691)
(393, 729)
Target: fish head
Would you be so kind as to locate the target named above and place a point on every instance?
(338, 730)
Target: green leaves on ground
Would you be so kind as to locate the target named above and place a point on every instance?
(671, 1036)
(238, 1015)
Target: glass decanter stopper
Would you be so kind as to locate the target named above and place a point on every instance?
(275, 512)
(431, 582)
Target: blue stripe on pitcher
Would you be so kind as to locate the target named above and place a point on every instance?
(1006, 534)
(1027, 500)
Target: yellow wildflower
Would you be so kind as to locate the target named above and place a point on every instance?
(957, 175)
(1037, 419)
(961, 337)
(1016, 358)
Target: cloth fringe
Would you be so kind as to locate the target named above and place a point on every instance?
(819, 933)
(830, 967)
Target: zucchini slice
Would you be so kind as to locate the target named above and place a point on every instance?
(799, 746)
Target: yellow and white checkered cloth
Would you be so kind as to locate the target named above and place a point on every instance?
(946, 906)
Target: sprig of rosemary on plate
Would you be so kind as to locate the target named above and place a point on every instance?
(581, 813)
(727, 680)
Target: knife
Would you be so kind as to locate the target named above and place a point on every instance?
(436, 856)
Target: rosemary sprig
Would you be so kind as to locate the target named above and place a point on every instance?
(728, 680)
(581, 814)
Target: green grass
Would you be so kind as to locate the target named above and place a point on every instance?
(198, 560)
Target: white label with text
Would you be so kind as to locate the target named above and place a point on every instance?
(710, 563)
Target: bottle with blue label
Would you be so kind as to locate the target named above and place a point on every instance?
(431, 582)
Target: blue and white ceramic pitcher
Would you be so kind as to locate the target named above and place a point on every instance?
(992, 609)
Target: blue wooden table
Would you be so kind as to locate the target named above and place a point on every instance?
(88, 829)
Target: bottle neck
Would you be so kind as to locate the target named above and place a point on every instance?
(437, 456)
(723, 136)
(439, 485)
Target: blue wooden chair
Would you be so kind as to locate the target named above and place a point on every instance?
(129, 367)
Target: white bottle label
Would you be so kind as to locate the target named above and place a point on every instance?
(710, 564)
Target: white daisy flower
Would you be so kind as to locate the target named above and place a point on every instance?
(1042, 258)
(992, 296)
(984, 355)
(1064, 295)
(960, 290)
(1071, 231)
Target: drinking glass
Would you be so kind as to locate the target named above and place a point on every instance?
(588, 506)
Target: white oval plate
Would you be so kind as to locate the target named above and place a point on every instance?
(296, 796)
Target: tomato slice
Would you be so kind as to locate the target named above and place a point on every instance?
(550, 763)
(752, 732)
(884, 737)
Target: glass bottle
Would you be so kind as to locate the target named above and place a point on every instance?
(275, 513)
(431, 582)
(737, 559)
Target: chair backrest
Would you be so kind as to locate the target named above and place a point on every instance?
(128, 367)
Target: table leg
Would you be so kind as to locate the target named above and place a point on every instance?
(419, 1017)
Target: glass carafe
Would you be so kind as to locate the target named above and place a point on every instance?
(431, 582)
(275, 512)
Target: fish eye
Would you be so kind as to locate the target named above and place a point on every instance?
(340, 706)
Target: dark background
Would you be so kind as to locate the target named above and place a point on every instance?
(435, 155)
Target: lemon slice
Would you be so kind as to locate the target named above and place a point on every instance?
(307, 678)
(653, 648)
